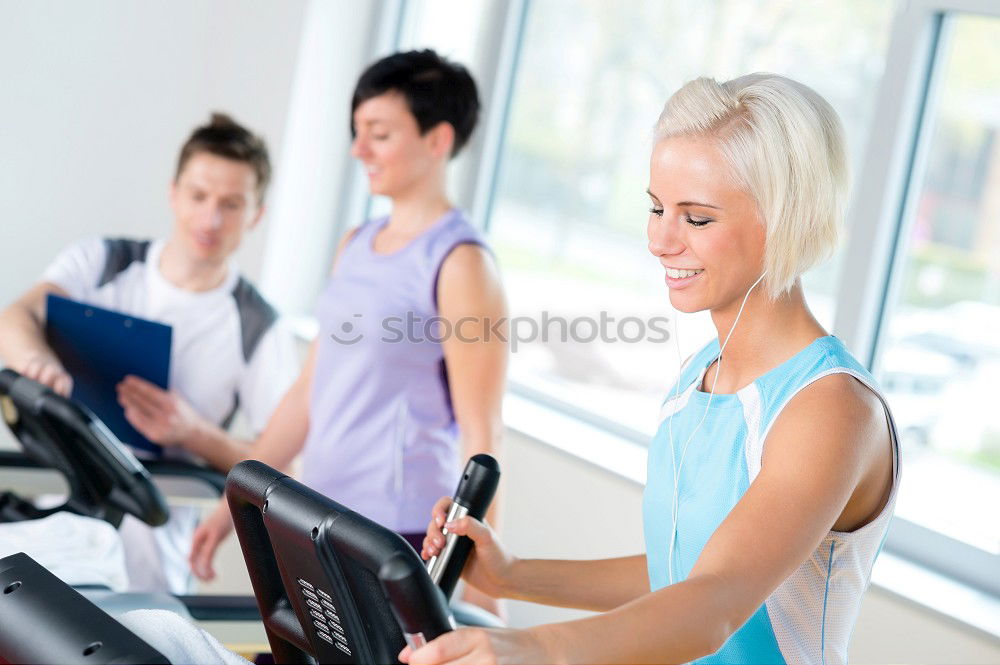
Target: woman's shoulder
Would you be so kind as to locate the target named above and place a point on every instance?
(468, 266)
(822, 383)
(837, 396)
(823, 357)
(460, 246)
(843, 424)
(456, 229)
(826, 384)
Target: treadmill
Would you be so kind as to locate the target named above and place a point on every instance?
(105, 481)
(104, 478)
(331, 586)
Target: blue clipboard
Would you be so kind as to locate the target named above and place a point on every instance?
(100, 347)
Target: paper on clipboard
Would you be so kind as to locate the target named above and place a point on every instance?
(100, 347)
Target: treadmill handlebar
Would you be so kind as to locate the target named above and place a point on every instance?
(27, 394)
(475, 491)
(419, 606)
(104, 476)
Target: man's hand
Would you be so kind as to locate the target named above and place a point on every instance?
(47, 370)
(161, 416)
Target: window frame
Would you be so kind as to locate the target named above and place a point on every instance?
(882, 211)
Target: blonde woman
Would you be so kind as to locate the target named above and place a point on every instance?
(773, 475)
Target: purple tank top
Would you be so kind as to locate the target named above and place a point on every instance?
(382, 438)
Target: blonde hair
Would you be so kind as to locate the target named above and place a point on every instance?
(785, 145)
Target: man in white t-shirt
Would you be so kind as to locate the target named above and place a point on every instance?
(227, 353)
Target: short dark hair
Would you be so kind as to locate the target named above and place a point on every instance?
(436, 90)
(225, 137)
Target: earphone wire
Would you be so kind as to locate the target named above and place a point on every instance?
(675, 508)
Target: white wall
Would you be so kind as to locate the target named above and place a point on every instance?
(96, 98)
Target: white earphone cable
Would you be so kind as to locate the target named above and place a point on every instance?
(677, 468)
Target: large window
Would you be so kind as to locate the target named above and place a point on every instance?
(569, 219)
(564, 161)
(939, 358)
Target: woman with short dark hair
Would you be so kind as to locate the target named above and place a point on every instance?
(403, 382)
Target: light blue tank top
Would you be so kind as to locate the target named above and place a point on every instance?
(810, 616)
(382, 437)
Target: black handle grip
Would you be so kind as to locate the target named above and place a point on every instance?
(420, 608)
(475, 491)
(478, 484)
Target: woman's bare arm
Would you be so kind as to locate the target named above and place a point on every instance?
(471, 299)
(811, 480)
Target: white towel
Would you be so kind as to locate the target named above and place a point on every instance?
(78, 550)
(156, 558)
(180, 641)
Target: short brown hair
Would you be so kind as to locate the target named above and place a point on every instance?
(224, 137)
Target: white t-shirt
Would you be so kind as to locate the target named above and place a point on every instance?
(227, 351)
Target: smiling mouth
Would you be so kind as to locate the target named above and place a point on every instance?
(674, 273)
